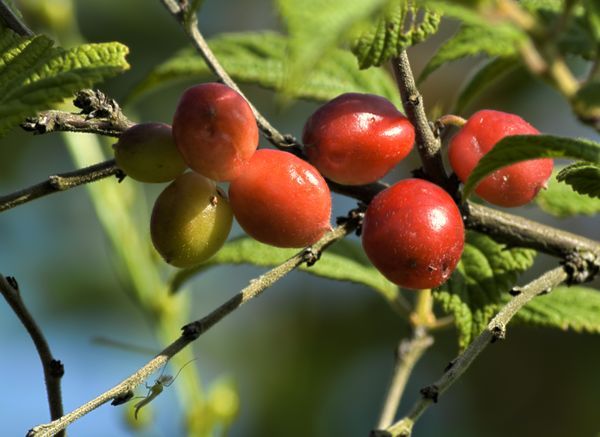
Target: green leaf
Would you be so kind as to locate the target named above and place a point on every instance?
(401, 25)
(567, 308)
(34, 75)
(471, 40)
(314, 28)
(518, 148)
(561, 200)
(344, 261)
(483, 78)
(484, 276)
(584, 177)
(592, 14)
(259, 58)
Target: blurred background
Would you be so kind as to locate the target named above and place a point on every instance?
(310, 357)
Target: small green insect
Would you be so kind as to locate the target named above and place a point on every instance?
(157, 388)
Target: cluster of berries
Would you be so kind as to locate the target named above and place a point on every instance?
(413, 231)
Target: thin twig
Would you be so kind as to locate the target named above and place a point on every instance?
(521, 232)
(61, 121)
(408, 353)
(53, 368)
(190, 25)
(61, 182)
(495, 330)
(428, 145)
(195, 329)
(12, 21)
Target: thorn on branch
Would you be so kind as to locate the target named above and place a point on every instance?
(191, 331)
(515, 291)
(310, 257)
(12, 281)
(430, 392)
(122, 398)
(498, 333)
(57, 369)
(449, 366)
(120, 175)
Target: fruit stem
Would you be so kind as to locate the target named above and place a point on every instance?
(422, 315)
(428, 145)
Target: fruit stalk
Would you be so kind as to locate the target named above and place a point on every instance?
(428, 145)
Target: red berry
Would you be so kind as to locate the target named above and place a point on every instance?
(413, 233)
(281, 200)
(513, 185)
(215, 130)
(357, 138)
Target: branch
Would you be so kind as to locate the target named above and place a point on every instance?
(518, 231)
(61, 182)
(122, 391)
(495, 330)
(409, 351)
(428, 145)
(12, 21)
(99, 115)
(190, 24)
(53, 369)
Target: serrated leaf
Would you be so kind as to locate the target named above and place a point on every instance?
(518, 148)
(560, 200)
(486, 272)
(344, 261)
(567, 308)
(259, 58)
(471, 40)
(34, 75)
(402, 24)
(314, 28)
(584, 177)
(483, 78)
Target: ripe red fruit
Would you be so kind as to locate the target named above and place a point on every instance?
(413, 233)
(215, 130)
(357, 138)
(281, 200)
(513, 185)
(146, 152)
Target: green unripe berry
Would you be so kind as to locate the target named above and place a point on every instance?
(147, 153)
(191, 220)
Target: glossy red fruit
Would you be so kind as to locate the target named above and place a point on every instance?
(146, 152)
(413, 233)
(357, 138)
(281, 200)
(513, 185)
(215, 130)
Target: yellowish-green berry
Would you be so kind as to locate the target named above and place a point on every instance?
(147, 153)
(190, 221)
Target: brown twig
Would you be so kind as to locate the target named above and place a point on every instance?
(408, 353)
(190, 25)
(61, 182)
(495, 330)
(53, 368)
(195, 329)
(428, 145)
